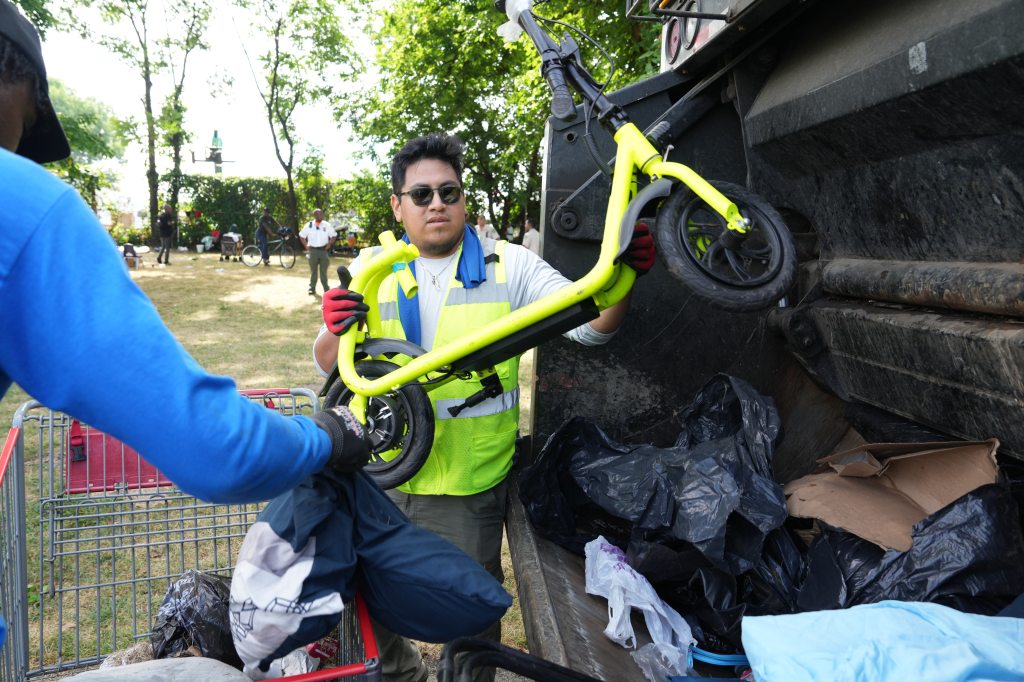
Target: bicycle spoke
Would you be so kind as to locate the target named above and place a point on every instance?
(703, 232)
(706, 258)
(763, 253)
(736, 266)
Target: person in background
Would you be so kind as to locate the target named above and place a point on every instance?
(167, 224)
(464, 283)
(265, 231)
(317, 238)
(531, 238)
(484, 230)
(210, 440)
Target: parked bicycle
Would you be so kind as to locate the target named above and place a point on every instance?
(252, 257)
(720, 240)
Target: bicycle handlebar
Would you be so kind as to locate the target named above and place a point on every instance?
(564, 72)
(562, 105)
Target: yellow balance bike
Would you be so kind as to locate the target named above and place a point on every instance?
(722, 241)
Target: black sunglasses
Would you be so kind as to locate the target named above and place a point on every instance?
(422, 195)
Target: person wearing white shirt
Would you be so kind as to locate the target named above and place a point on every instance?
(464, 281)
(317, 238)
(484, 229)
(531, 238)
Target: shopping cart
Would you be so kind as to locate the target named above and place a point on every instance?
(231, 246)
(91, 536)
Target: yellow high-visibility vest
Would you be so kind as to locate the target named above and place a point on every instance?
(473, 451)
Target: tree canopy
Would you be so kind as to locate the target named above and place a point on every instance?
(437, 65)
(94, 134)
(444, 69)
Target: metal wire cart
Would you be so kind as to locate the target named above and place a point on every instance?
(92, 535)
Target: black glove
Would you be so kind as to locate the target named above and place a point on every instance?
(350, 450)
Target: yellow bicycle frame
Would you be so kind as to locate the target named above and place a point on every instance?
(607, 283)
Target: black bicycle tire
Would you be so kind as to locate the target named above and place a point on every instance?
(681, 265)
(247, 254)
(415, 451)
(286, 255)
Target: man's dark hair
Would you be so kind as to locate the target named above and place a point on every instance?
(16, 67)
(437, 146)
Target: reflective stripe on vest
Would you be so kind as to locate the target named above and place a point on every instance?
(472, 452)
(499, 403)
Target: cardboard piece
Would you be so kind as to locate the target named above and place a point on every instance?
(879, 491)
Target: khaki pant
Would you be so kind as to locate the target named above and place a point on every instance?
(319, 260)
(474, 524)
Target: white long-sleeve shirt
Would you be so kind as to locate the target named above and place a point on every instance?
(531, 241)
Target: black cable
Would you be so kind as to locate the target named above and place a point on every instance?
(588, 105)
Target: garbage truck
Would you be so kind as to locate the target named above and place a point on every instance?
(889, 137)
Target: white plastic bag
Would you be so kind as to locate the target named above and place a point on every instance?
(511, 30)
(609, 576)
(298, 662)
(659, 662)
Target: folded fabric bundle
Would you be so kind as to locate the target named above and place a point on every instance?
(312, 548)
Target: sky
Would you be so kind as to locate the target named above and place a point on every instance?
(236, 112)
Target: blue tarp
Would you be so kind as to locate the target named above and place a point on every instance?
(890, 640)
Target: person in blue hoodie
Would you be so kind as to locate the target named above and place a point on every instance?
(72, 329)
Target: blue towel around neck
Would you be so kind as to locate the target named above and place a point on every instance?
(471, 271)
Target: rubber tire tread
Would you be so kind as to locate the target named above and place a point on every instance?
(287, 257)
(414, 452)
(251, 256)
(719, 294)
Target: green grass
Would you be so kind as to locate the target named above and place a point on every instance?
(256, 325)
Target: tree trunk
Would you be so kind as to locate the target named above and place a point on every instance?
(533, 174)
(177, 141)
(151, 176)
(293, 201)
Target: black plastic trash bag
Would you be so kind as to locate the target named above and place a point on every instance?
(194, 612)
(713, 489)
(557, 508)
(716, 602)
(969, 555)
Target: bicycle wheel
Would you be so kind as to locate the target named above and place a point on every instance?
(286, 254)
(732, 271)
(400, 425)
(251, 255)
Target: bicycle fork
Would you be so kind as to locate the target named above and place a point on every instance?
(638, 152)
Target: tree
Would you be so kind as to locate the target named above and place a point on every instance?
(38, 14)
(94, 133)
(189, 19)
(443, 68)
(224, 202)
(128, 36)
(308, 59)
(313, 189)
(367, 196)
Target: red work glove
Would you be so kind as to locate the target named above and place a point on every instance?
(341, 309)
(639, 254)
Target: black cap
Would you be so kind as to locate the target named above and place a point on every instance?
(46, 140)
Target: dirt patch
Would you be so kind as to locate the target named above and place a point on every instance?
(274, 291)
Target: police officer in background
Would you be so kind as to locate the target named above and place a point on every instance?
(317, 238)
